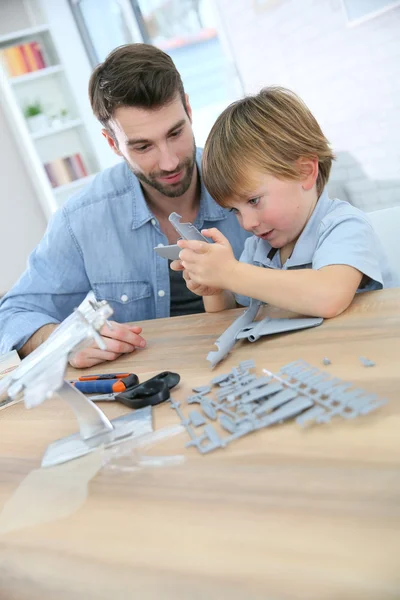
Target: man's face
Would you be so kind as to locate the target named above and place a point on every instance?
(157, 144)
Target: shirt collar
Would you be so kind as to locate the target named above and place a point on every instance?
(304, 249)
(209, 210)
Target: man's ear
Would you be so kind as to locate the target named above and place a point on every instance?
(111, 141)
(308, 169)
(188, 108)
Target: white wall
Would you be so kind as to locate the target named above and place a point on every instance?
(22, 222)
(348, 76)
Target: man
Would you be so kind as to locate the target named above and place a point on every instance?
(103, 238)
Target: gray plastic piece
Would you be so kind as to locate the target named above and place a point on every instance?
(367, 362)
(276, 400)
(240, 390)
(187, 231)
(288, 411)
(220, 379)
(248, 403)
(209, 433)
(227, 423)
(270, 326)
(169, 252)
(310, 415)
(202, 389)
(263, 392)
(227, 339)
(196, 418)
(208, 409)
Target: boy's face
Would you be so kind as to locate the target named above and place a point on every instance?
(275, 210)
(157, 145)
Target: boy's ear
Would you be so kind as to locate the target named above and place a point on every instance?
(308, 169)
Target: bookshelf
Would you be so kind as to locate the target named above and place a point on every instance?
(40, 103)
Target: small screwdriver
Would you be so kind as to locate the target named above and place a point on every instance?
(103, 376)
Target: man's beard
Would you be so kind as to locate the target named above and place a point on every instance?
(172, 190)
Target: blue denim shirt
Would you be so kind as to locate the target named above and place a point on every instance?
(102, 240)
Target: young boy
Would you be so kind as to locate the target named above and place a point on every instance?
(267, 160)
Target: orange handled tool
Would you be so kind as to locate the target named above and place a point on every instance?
(106, 386)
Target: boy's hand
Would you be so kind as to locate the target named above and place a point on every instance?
(121, 339)
(196, 288)
(208, 265)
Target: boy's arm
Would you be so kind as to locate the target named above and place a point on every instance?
(218, 302)
(323, 293)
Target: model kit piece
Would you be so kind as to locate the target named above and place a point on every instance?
(226, 390)
(263, 392)
(202, 389)
(227, 423)
(270, 326)
(256, 382)
(210, 435)
(227, 339)
(187, 231)
(249, 403)
(195, 399)
(170, 252)
(196, 418)
(336, 396)
(366, 361)
(288, 411)
(276, 400)
(220, 379)
(310, 416)
(208, 410)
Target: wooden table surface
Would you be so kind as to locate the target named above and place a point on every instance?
(284, 513)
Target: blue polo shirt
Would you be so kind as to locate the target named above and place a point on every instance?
(337, 233)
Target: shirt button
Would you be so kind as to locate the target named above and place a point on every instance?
(161, 293)
(124, 298)
(153, 221)
(160, 245)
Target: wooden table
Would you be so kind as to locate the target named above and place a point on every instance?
(284, 513)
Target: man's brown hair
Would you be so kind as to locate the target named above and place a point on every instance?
(137, 75)
(267, 132)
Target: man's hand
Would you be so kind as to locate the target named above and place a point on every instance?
(121, 339)
(207, 265)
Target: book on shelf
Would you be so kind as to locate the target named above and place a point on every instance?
(22, 59)
(65, 170)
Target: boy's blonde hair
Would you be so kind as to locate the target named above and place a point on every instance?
(267, 132)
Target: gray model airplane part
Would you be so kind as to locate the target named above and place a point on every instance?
(244, 389)
(276, 400)
(169, 252)
(196, 418)
(227, 339)
(270, 326)
(288, 411)
(262, 392)
(187, 231)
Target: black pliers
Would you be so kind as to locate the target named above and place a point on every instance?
(148, 393)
